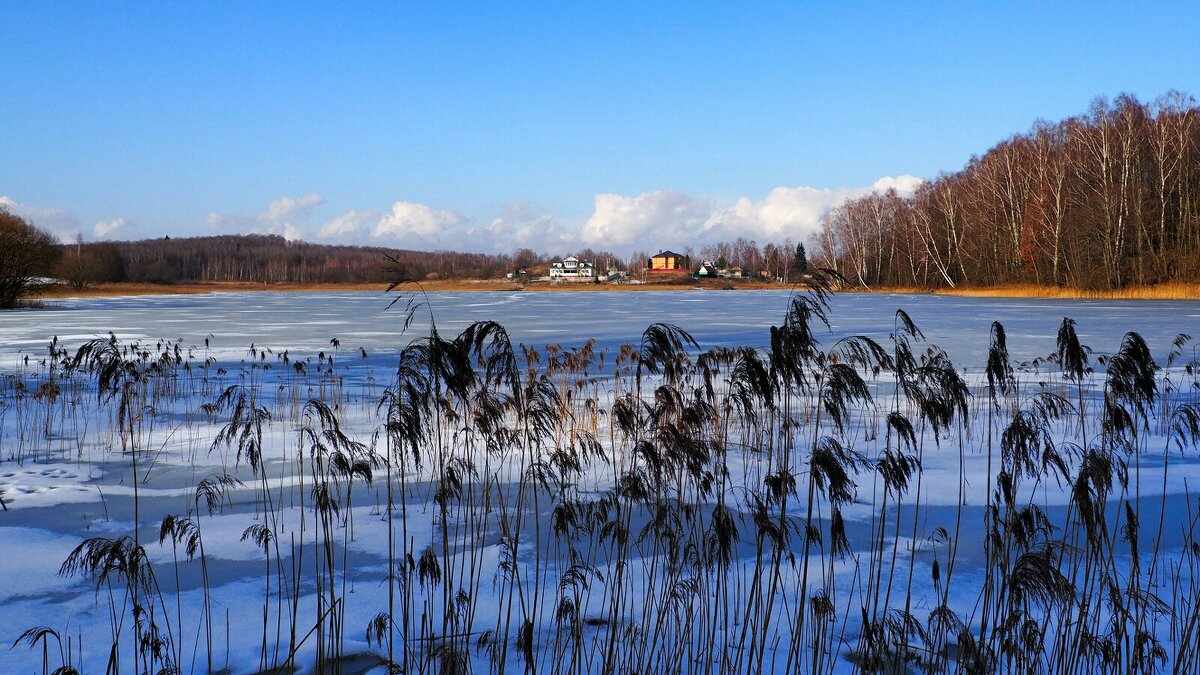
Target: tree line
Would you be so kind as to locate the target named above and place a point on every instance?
(1103, 200)
(273, 259)
(29, 254)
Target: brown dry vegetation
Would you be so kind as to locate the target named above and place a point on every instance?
(1176, 290)
(1167, 291)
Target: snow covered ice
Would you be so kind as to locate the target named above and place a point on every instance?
(664, 535)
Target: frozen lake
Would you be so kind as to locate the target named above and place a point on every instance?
(587, 591)
(305, 322)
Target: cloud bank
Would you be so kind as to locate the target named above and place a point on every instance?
(418, 226)
(670, 218)
(284, 216)
(619, 223)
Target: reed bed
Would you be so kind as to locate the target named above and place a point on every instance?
(1175, 290)
(860, 505)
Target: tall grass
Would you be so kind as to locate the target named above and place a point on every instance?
(861, 505)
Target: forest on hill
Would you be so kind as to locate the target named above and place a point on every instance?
(1103, 200)
(266, 259)
(273, 259)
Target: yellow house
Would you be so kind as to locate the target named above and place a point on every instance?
(668, 261)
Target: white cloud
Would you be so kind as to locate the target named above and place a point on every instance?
(674, 219)
(108, 229)
(418, 226)
(283, 216)
(620, 223)
(62, 223)
(416, 223)
(349, 225)
(285, 230)
(784, 212)
(519, 212)
(286, 209)
(225, 223)
(905, 185)
(524, 225)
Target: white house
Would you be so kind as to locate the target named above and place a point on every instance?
(572, 269)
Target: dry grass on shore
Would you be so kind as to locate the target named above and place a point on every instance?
(1168, 291)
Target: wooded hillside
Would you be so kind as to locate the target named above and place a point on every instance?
(273, 259)
(1103, 200)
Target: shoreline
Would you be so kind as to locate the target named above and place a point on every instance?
(1167, 291)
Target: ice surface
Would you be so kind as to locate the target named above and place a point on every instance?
(75, 482)
(305, 322)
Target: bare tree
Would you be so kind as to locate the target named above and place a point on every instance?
(1171, 141)
(1049, 199)
(1106, 163)
(25, 254)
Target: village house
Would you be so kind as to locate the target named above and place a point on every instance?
(615, 275)
(669, 262)
(573, 269)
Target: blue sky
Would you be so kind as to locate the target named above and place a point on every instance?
(497, 125)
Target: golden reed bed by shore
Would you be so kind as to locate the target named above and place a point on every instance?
(1170, 291)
